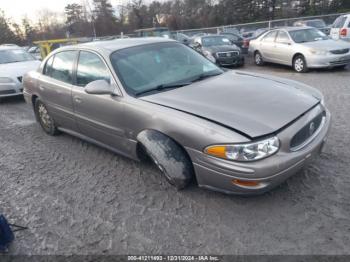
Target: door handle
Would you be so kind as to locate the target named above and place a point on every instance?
(41, 88)
(78, 99)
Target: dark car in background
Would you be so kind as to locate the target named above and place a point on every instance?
(219, 49)
(238, 40)
(316, 23)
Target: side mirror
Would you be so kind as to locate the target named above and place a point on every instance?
(101, 87)
(197, 45)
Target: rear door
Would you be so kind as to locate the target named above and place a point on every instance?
(283, 48)
(55, 87)
(99, 117)
(267, 46)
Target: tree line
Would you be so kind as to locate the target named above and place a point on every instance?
(102, 19)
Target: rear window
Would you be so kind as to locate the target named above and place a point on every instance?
(270, 37)
(340, 22)
(316, 23)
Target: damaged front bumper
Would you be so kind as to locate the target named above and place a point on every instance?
(222, 175)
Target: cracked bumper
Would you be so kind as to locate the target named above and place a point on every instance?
(217, 174)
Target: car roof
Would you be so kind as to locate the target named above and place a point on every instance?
(110, 46)
(292, 28)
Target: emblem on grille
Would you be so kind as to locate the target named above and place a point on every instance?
(312, 128)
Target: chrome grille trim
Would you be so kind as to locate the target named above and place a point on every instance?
(224, 54)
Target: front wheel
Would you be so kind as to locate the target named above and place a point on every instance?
(299, 64)
(169, 157)
(44, 118)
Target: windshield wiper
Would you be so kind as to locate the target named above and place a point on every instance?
(163, 87)
(204, 76)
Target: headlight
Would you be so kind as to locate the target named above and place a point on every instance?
(318, 52)
(210, 56)
(6, 80)
(245, 152)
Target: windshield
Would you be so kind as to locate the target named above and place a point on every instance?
(14, 55)
(146, 67)
(307, 35)
(215, 41)
(316, 23)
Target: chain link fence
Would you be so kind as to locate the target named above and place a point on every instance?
(251, 27)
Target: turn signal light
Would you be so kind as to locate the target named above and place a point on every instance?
(217, 151)
(245, 183)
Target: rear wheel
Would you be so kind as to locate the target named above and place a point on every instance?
(258, 59)
(299, 64)
(44, 118)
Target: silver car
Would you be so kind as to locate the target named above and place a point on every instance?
(14, 63)
(301, 48)
(230, 131)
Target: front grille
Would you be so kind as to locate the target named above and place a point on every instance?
(227, 54)
(7, 92)
(20, 78)
(307, 132)
(341, 62)
(340, 51)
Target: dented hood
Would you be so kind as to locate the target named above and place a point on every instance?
(253, 104)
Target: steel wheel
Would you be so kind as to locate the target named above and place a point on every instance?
(44, 118)
(299, 64)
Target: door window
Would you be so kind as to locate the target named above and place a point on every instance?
(282, 37)
(91, 68)
(270, 37)
(62, 66)
(48, 66)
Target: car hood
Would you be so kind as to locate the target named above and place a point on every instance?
(18, 69)
(328, 45)
(255, 105)
(221, 48)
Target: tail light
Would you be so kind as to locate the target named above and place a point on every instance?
(245, 43)
(343, 32)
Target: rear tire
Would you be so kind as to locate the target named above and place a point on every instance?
(299, 64)
(46, 121)
(258, 59)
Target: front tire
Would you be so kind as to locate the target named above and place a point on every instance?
(299, 64)
(46, 121)
(258, 59)
(169, 157)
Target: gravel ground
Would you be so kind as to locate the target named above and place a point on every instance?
(78, 198)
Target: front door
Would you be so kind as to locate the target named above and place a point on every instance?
(99, 117)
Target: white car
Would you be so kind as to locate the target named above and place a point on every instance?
(14, 64)
(341, 28)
